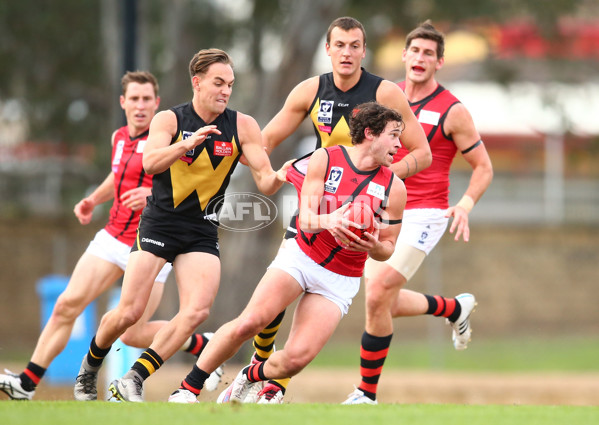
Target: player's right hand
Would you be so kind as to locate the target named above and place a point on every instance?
(84, 210)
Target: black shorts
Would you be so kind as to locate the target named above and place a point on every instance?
(167, 238)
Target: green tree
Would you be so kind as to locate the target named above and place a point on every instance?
(50, 63)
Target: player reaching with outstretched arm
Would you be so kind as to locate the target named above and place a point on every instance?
(105, 259)
(192, 150)
(323, 264)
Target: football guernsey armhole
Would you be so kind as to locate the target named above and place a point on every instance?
(179, 118)
(316, 96)
(442, 121)
(386, 202)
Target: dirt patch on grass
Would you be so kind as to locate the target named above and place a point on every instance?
(317, 385)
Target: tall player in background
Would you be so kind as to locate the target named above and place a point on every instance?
(328, 101)
(449, 128)
(104, 261)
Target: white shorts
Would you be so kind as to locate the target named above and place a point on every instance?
(423, 228)
(314, 278)
(108, 248)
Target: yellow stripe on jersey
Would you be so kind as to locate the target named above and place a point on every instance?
(200, 176)
(340, 130)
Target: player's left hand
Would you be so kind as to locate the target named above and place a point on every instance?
(459, 223)
(361, 244)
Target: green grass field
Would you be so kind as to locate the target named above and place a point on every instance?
(66, 412)
(567, 355)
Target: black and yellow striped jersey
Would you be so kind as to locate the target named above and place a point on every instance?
(201, 174)
(331, 108)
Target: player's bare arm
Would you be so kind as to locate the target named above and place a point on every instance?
(310, 220)
(312, 192)
(412, 138)
(267, 180)
(159, 154)
(104, 192)
(460, 126)
(291, 115)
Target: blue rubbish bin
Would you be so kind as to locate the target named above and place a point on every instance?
(65, 366)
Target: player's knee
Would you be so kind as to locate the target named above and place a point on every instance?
(193, 317)
(377, 296)
(127, 317)
(66, 309)
(248, 326)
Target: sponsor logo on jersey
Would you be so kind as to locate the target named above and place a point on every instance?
(429, 117)
(325, 111)
(376, 190)
(325, 129)
(188, 157)
(333, 180)
(223, 148)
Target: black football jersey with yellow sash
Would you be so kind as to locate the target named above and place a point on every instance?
(331, 108)
(195, 182)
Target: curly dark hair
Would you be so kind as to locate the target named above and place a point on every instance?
(371, 115)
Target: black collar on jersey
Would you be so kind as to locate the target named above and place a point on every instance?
(140, 136)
